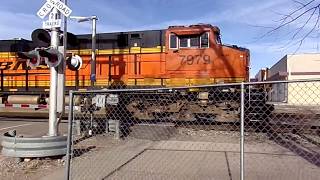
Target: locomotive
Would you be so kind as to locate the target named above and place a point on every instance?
(177, 56)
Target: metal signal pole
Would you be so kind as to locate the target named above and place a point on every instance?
(93, 51)
(55, 41)
(93, 46)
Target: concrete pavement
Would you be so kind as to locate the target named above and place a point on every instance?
(143, 159)
(102, 157)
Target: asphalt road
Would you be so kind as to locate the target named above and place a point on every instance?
(28, 126)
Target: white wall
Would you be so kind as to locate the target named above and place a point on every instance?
(303, 63)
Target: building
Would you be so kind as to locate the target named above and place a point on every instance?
(297, 66)
(294, 67)
(262, 75)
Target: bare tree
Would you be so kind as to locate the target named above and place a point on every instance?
(305, 17)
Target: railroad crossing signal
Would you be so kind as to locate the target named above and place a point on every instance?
(52, 57)
(32, 57)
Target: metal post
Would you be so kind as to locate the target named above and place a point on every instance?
(61, 74)
(27, 79)
(242, 134)
(53, 130)
(2, 79)
(77, 79)
(69, 140)
(93, 51)
(65, 30)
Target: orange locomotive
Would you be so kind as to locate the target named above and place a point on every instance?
(177, 56)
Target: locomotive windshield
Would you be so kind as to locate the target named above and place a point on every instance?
(189, 41)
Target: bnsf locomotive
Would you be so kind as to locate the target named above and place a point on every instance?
(177, 56)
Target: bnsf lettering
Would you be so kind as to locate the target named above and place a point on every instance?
(5, 65)
(196, 59)
(17, 65)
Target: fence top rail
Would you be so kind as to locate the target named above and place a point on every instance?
(194, 87)
(283, 81)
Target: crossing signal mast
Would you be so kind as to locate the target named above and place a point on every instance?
(49, 52)
(54, 58)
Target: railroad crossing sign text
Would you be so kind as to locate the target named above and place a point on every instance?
(65, 10)
(50, 4)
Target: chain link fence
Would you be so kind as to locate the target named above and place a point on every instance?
(232, 131)
(287, 142)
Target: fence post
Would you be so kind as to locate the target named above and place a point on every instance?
(242, 134)
(69, 142)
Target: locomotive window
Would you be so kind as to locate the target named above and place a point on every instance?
(194, 41)
(190, 41)
(204, 40)
(173, 41)
(184, 41)
(135, 36)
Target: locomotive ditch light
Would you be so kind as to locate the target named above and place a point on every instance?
(52, 56)
(33, 58)
(74, 62)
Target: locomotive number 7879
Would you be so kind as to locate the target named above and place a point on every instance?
(195, 59)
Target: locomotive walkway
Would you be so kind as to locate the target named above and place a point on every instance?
(143, 159)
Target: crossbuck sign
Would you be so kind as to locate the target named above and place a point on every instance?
(50, 4)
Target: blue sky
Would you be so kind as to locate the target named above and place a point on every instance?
(242, 22)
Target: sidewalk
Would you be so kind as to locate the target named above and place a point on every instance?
(143, 159)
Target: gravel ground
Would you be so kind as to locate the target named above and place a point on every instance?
(12, 169)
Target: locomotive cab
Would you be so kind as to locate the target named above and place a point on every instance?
(196, 53)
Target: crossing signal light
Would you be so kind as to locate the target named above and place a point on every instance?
(74, 63)
(41, 38)
(52, 56)
(32, 57)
